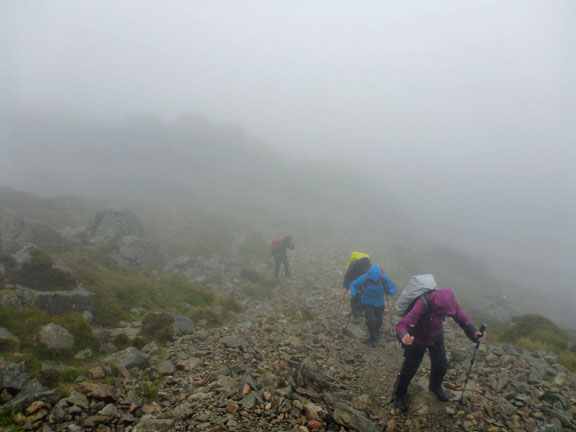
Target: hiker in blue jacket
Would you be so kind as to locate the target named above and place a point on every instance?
(372, 287)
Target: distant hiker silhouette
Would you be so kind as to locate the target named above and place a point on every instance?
(278, 249)
(358, 264)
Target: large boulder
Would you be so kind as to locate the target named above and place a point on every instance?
(61, 302)
(53, 336)
(26, 254)
(7, 339)
(352, 418)
(11, 301)
(138, 252)
(109, 226)
(159, 326)
(128, 358)
(182, 325)
(16, 231)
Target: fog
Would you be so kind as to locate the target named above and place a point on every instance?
(461, 113)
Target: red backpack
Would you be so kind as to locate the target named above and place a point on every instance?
(276, 242)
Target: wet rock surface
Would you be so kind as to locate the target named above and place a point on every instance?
(285, 364)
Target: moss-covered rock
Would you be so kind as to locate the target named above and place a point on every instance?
(158, 326)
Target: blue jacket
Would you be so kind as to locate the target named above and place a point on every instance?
(372, 286)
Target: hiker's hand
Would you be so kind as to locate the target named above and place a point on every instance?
(480, 337)
(407, 339)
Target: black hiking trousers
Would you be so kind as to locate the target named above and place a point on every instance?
(373, 316)
(356, 305)
(413, 356)
(281, 258)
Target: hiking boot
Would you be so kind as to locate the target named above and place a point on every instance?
(400, 402)
(371, 342)
(440, 393)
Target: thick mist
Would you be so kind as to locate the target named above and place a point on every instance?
(456, 117)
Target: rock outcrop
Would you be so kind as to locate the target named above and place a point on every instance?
(16, 231)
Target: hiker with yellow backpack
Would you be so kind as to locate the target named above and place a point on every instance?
(358, 264)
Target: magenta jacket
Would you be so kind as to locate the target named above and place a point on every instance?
(443, 303)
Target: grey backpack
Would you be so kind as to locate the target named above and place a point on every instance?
(418, 286)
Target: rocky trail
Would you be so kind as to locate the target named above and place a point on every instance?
(285, 364)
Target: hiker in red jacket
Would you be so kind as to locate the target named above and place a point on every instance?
(422, 329)
(278, 250)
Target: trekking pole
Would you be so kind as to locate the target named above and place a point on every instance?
(347, 322)
(341, 301)
(461, 400)
(397, 381)
(391, 322)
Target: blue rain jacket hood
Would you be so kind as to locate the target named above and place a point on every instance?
(372, 286)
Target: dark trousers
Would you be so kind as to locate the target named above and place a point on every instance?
(413, 356)
(373, 316)
(356, 305)
(281, 259)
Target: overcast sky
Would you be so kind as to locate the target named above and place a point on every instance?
(468, 108)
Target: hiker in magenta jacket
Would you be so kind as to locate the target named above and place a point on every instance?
(422, 329)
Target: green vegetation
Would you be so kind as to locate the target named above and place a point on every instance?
(537, 333)
(59, 378)
(212, 318)
(158, 326)
(119, 289)
(26, 324)
(149, 390)
(39, 273)
(7, 420)
(298, 315)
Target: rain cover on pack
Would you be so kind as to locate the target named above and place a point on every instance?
(417, 286)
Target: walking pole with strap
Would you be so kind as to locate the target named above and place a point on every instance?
(341, 301)
(461, 400)
(411, 333)
(391, 322)
(347, 322)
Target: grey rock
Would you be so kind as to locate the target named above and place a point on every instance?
(112, 225)
(154, 425)
(249, 401)
(563, 417)
(49, 369)
(148, 348)
(6, 336)
(54, 336)
(34, 391)
(138, 252)
(182, 411)
(355, 331)
(166, 367)
(236, 342)
(128, 358)
(179, 263)
(127, 418)
(16, 231)
(309, 375)
(24, 255)
(79, 399)
(11, 302)
(351, 418)
(58, 412)
(109, 410)
(84, 354)
(130, 332)
(554, 397)
(88, 316)
(108, 348)
(182, 325)
(61, 302)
